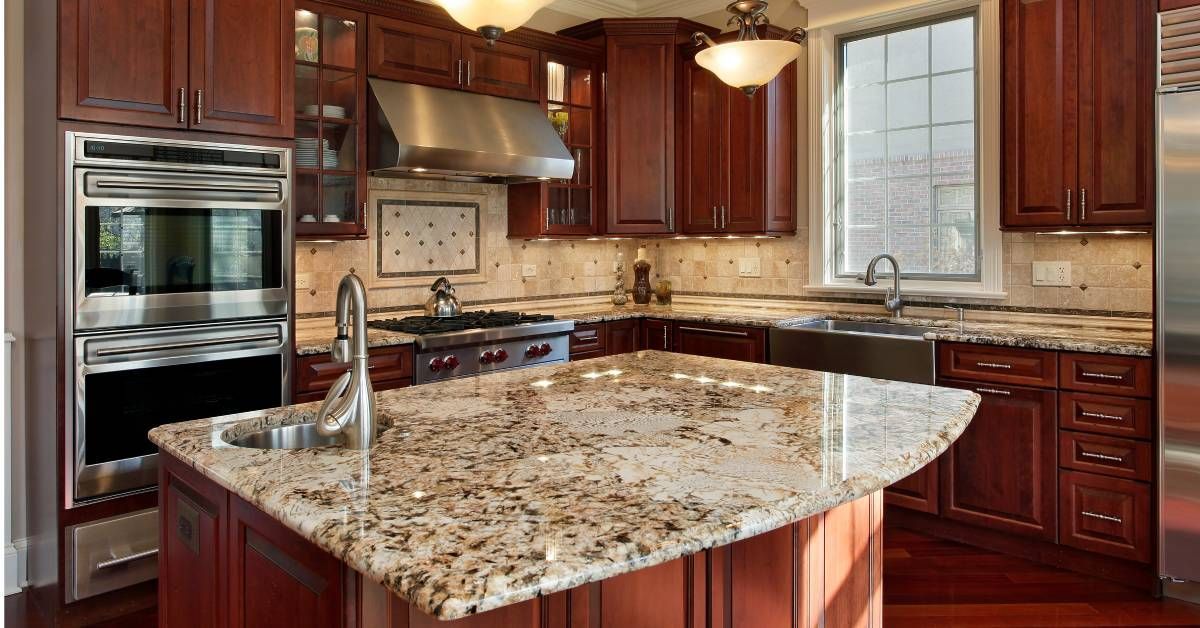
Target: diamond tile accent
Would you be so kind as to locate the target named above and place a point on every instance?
(443, 229)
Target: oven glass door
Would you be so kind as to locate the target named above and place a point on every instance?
(154, 248)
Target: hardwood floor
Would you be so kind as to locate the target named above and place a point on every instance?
(928, 583)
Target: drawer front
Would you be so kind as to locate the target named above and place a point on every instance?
(1105, 515)
(1106, 455)
(112, 553)
(1109, 374)
(1024, 367)
(587, 355)
(1103, 414)
(316, 374)
(587, 338)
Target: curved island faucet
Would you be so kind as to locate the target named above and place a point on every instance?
(349, 408)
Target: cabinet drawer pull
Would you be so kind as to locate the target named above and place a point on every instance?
(199, 107)
(1100, 375)
(1101, 415)
(1102, 517)
(719, 332)
(994, 391)
(1105, 457)
(1068, 204)
(664, 337)
(182, 105)
(115, 562)
(994, 365)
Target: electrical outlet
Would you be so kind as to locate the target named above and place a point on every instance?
(529, 270)
(749, 267)
(304, 281)
(1052, 274)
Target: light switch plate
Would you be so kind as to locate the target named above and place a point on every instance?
(529, 270)
(749, 267)
(1052, 274)
(304, 281)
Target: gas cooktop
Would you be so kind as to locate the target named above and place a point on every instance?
(425, 325)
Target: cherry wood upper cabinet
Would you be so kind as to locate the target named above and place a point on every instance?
(501, 70)
(124, 61)
(1001, 473)
(242, 54)
(212, 65)
(739, 155)
(413, 53)
(1078, 113)
(1040, 113)
(406, 51)
(643, 87)
(1116, 112)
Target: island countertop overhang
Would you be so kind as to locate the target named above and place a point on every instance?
(494, 490)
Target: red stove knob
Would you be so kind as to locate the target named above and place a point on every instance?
(544, 349)
(532, 351)
(487, 357)
(501, 355)
(451, 362)
(436, 364)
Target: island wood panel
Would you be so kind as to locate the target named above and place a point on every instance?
(124, 61)
(192, 515)
(242, 59)
(1002, 472)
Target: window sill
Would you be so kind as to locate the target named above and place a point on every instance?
(965, 291)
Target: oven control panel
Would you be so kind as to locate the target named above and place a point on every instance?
(437, 365)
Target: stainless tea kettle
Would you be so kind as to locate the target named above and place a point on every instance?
(442, 303)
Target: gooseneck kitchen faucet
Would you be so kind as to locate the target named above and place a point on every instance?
(892, 301)
(349, 408)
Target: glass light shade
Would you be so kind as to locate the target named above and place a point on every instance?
(504, 14)
(748, 64)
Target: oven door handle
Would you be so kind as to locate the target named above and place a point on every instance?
(141, 184)
(192, 344)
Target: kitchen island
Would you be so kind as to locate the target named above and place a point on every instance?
(646, 489)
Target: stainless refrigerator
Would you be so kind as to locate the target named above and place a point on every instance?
(1178, 301)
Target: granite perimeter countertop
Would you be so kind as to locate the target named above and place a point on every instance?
(493, 490)
(1053, 333)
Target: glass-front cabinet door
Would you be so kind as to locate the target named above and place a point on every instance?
(330, 173)
(570, 106)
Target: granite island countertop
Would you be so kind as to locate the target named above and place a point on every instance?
(1052, 332)
(492, 490)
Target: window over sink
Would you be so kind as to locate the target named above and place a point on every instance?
(909, 158)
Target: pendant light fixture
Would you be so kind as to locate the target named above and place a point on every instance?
(749, 62)
(491, 18)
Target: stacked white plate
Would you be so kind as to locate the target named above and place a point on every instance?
(309, 153)
(329, 111)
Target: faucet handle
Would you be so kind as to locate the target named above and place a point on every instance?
(341, 348)
(962, 311)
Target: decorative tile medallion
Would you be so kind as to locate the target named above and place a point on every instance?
(438, 238)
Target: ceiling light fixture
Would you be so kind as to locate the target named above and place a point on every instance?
(491, 18)
(750, 62)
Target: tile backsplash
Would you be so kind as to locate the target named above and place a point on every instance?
(422, 229)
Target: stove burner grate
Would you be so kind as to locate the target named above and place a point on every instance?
(423, 325)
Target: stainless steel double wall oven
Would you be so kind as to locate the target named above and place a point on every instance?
(180, 253)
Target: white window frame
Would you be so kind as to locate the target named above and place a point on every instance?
(823, 137)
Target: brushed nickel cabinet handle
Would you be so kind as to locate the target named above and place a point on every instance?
(1104, 457)
(994, 391)
(1102, 517)
(1100, 375)
(1083, 205)
(182, 106)
(994, 365)
(121, 560)
(716, 225)
(664, 337)
(460, 71)
(724, 218)
(1068, 204)
(1101, 415)
(199, 106)
(671, 219)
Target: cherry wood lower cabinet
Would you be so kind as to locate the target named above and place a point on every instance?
(732, 342)
(918, 491)
(623, 336)
(224, 563)
(390, 367)
(656, 335)
(748, 344)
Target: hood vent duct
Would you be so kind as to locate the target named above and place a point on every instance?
(419, 131)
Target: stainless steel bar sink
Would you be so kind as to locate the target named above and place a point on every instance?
(883, 350)
(300, 436)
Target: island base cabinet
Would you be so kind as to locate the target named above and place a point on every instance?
(225, 563)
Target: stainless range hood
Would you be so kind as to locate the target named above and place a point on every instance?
(425, 131)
